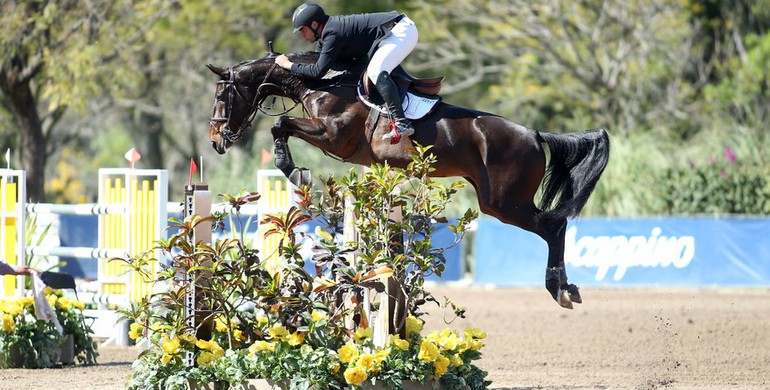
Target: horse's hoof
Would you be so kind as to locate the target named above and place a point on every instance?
(564, 299)
(301, 177)
(574, 293)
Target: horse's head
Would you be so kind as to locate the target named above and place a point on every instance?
(239, 92)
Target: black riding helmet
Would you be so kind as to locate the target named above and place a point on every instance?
(306, 14)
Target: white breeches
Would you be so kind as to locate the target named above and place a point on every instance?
(393, 49)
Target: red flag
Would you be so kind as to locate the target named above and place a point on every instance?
(132, 156)
(193, 169)
(266, 157)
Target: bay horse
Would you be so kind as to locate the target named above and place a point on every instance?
(504, 161)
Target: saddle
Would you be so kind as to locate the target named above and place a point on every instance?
(430, 86)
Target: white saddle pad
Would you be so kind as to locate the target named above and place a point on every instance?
(416, 107)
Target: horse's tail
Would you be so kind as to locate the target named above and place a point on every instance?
(576, 163)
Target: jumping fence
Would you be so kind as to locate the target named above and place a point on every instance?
(131, 212)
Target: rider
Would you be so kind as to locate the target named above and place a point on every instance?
(385, 37)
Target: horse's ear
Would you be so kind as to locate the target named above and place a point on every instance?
(217, 70)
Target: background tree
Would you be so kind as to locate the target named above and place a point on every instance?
(675, 83)
(53, 57)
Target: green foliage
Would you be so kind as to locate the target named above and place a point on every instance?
(725, 186)
(270, 318)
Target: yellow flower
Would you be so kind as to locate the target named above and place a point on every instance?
(399, 343)
(8, 323)
(440, 366)
(209, 345)
(238, 335)
(261, 321)
(317, 316)
(52, 300)
(204, 359)
(79, 305)
(362, 334)
(24, 301)
(221, 324)
(261, 345)
(413, 325)
(475, 333)
(135, 331)
(12, 308)
(367, 362)
(475, 345)
(449, 341)
(211, 352)
(295, 338)
(457, 361)
(188, 338)
(355, 375)
(170, 346)
(64, 303)
(348, 353)
(278, 331)
(428, 351)
(166, 359)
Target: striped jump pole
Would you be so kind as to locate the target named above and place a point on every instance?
(12, 216)
(197, 201)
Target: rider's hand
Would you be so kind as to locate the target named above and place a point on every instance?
(24, 270)
(283, 62)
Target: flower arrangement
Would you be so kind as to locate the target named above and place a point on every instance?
(69, 312)
(28, 342)
(272, 319)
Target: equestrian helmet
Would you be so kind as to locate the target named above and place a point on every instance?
(307, 13)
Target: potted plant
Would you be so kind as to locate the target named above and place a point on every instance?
(273, 320)
(77, 335)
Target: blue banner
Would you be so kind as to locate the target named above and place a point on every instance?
(632, 251)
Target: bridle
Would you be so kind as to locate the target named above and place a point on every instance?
(255, 105)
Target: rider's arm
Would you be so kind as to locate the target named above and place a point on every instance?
(329, 52)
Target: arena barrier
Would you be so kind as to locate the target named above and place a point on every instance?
(131, 212)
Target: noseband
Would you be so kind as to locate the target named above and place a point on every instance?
(227, 133)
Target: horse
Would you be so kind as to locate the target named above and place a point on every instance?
(504, 161)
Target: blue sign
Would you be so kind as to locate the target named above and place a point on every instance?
(632, 251)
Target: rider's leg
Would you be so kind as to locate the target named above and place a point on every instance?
(391, 52)
(387, 89)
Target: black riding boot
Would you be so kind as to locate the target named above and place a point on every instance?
(400, 126)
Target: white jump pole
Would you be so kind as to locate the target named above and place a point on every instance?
(197, 201)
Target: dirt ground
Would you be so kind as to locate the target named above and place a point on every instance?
(617, 339)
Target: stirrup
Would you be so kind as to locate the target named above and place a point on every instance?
(396, 132)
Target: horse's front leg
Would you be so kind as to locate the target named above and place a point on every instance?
(282, 128)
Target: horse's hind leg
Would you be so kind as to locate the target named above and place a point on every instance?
(556, 282)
